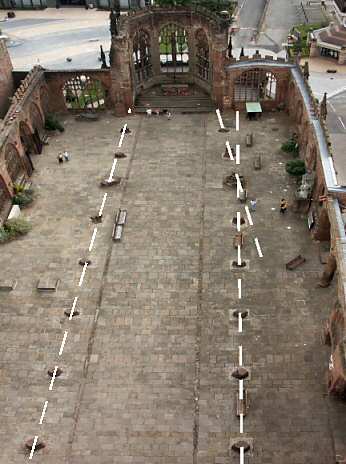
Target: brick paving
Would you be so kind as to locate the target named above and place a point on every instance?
(147, 365)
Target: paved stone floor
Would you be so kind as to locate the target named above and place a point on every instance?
(147, 364)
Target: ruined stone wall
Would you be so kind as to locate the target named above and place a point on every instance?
(6, 79)
(56, 80)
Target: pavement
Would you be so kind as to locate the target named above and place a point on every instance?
(147, 364)
(47, 37)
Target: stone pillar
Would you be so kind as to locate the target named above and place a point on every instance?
(121, 75)
(322, 229)
(155, 52)
(342, 56)
(314, 50)
(219, 59)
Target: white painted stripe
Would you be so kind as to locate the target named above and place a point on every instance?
(240, 323)
(259, 251)
(63, 343)
(342, 122)
(228, 146)
(332, 107)
(238, 221)
(239, 255)
(220, 119)
(335, 180)
(239, 288)
(241, 424)
(239, 186)
(249, 218)
(73, 307)
(241, 455)
(103, 204)
(240, 355)
(241, 389)
(122, 136)
(43, 411)
(53, 378)
(237, 154)
(93, 239)
(83, 274)
(113, 169)
(237, 121)
(33, 447)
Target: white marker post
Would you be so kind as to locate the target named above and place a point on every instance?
(122, 136)
(259, 251)
(73, 307)
(237, 154)
(103, 204)
(228, 146)
(63, 343)
(239, 186)
(218, 114)
(112, 170)
(241, 389)
(241, 425)
(242, 455)
(240, 322)
(83, 274)
(240, 355)
(239, 255)
(238, 221)
(33, 447)
(93, 239)
(249, 218)
(53, 378)
(239, 289)
(43, 411)
(237, 121)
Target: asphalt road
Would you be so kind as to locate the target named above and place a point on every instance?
(250, 12)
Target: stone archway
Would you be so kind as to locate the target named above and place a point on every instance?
(255, 85)
(13, 163)
(44, 100)
(141, 56)
(29, 145)
(37, 123)
(174, 49)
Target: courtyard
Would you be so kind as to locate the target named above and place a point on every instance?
(147, 363)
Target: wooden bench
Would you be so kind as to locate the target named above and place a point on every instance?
(249, 139)
(296, 262)
(119, 223)
(257, 162)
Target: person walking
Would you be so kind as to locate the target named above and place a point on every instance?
(66, 155)
(253, 204)
(283, 206)
(60, 158)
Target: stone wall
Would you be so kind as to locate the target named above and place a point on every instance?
(6, 79)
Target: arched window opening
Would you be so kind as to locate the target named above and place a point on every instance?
(174, 49)
(83, 92)
(13, 163)
(202, 55)
(255, 85)
(142, 57)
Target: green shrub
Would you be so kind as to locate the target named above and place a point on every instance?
(296, 167)
(23, 198)
(291, 146)
(52, 123)
(14, 228)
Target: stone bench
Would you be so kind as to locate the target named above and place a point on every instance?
(119, 223)
(47, 285)
(7, 285)
(249, 139)
(257, 162)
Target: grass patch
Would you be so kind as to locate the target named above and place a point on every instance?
(14, 228)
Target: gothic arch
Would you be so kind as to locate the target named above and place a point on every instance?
(141, 56)
(84, 92)
(203, 65)
(13, 163)
(174, 48)
(255, 85)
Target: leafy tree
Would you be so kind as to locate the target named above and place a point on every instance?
(296, 167)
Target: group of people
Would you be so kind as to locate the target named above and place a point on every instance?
(283, 205)
(63, 157)
(157, 112)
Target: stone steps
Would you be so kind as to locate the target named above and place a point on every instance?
(191, 104)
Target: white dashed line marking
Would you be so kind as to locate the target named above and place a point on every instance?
(237, 154)
(240, 322)
(122, 136)
(341, 122)
(241, 455)
(237, 121)
(73, 307)
(53, 378)
(93, 239)
(63, 343)
(33, 447)
(241, 389)
(239, 186)
(239, 255)
(238, 221)
(103, 204)
(83, 274)
(43, 411)
(241, 424)
(239, 288)
(249, 218)
(228, 146)
(259, 251)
